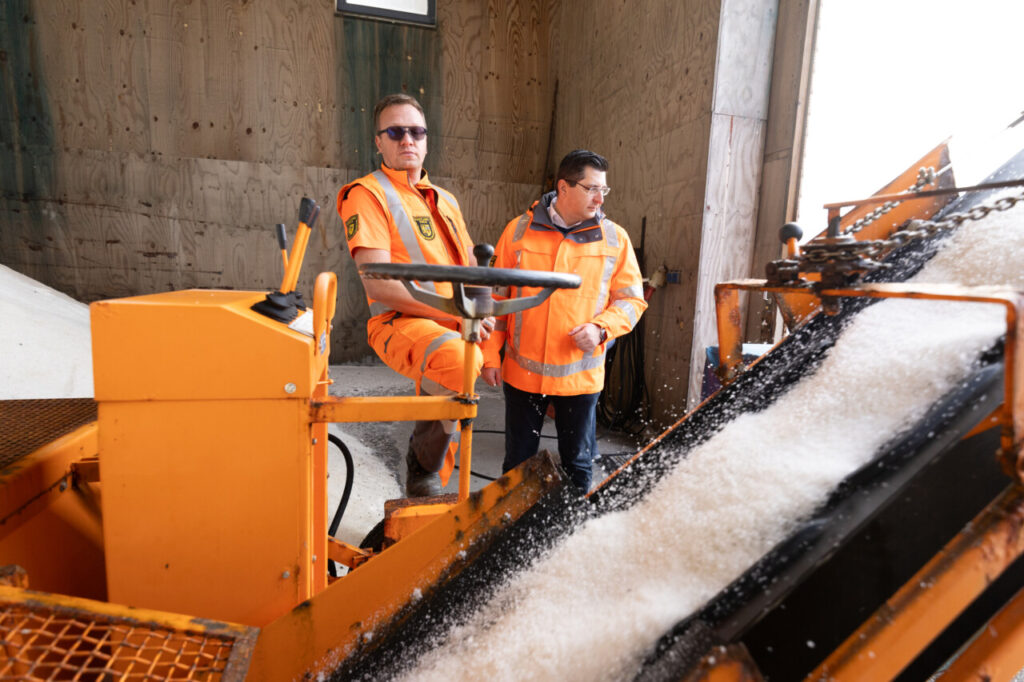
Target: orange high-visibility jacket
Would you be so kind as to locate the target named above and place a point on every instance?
(397, 218)
(540, 356)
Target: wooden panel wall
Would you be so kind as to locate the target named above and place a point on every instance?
(152, 145)
(636, 82)
(783, 148)
(746, 38)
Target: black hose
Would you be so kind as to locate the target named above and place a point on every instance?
(336, 521)
(543, 435)
(625, 404)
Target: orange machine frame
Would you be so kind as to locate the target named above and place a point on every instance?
(934, 597)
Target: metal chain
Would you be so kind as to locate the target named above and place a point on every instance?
(915, 229)
(925, 176)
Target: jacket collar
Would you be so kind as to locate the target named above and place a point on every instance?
(401, 177)
(542, 216)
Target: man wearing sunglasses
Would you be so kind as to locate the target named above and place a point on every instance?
(554, 353)
(396, 215)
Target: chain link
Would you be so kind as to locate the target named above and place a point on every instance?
(915, 229)
(925, 176)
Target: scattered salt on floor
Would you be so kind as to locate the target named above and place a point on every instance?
(593, 606)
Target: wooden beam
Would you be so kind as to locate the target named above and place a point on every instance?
(783, 150)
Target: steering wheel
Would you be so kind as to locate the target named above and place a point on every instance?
(473, 301)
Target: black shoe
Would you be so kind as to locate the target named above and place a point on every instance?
(418, 481)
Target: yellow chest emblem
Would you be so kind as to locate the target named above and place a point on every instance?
(425, 226)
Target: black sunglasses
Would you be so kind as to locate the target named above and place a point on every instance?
(398, 132)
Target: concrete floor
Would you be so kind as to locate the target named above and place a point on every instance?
(378, 449)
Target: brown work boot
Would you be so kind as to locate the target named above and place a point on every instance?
(418, 481)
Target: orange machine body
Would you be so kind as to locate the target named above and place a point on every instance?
(214, 501)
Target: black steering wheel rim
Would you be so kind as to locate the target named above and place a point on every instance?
(474, 275)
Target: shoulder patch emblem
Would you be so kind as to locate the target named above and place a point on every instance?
(352, 226)
(425, 226)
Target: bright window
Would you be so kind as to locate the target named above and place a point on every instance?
(894, 78)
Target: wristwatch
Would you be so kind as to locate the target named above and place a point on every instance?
(604, 334)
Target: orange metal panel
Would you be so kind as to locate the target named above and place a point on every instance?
(194, 345)
(726, 663)
(938, 159)
(318, 634)
(798, 307)
(208, 506)
(997, 653)
(922, 608)
(214, 478)
(50, 523)
(335, 409)
(346, 554)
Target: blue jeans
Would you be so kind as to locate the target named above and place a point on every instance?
(575, 424)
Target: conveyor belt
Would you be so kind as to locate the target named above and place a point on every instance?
(853, 511)
(876, 529)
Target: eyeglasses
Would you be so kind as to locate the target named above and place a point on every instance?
(397, 133)
(592, 189)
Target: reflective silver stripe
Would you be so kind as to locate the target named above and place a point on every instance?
(519, 326)
(448, 196)
(431, 387)
(401, 218)
(455, 204)
(519, 315)
(501, 325)
(634, 291)
(434, 345)
(378, 308)
(555, 371)
(630, 311)
(610, 235)
(606, 278)
(521, 227)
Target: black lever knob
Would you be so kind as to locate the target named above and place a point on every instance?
(790, 231)
(308, 211)
(483, 253)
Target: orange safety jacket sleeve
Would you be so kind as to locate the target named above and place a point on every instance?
(626, 292)
(369, 229)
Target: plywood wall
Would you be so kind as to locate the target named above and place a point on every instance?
(636, 82)
(152, 145)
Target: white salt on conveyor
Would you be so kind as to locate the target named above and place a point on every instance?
(595, 605)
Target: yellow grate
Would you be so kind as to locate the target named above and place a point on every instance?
(42, 639)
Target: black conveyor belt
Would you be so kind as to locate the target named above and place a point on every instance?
(866, 520)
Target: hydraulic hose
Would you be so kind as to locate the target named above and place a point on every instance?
(350, 471)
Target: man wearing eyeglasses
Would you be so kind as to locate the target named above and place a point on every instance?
(554, 353)
(396, 215)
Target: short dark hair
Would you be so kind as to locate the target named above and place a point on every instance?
(390, 101)
(576, 162)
